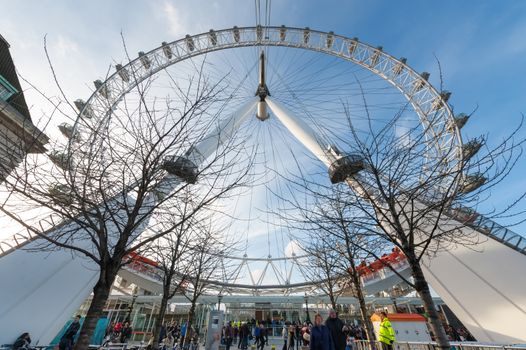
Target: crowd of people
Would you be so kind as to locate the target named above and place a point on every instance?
(174, 334)
(294, 334)
(333, 334)
(336, 335)
(118, 332)
(458, 334)
(23, 342)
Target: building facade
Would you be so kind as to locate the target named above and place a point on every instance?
(18, 134)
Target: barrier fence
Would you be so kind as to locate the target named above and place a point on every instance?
(366, 345)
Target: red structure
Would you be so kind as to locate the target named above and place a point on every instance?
(394, 258)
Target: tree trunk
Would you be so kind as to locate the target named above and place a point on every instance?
(363, 308)
(101, 291)
(333, 299)
(159, 321)
(189, 322)
(422, 288)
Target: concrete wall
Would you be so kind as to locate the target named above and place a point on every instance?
(40, 292)
(485, 286)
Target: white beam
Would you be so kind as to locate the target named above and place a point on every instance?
(301, 131)
(224, 131)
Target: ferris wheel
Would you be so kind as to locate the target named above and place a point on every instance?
(290, 93)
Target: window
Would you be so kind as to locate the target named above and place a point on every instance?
(6, 89)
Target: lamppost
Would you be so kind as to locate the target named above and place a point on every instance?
(306, 298)
(134, 297)
(219, 298)
(393, 299)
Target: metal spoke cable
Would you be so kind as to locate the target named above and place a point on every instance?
(258, 12)
(278, 165)
(309, 105)
(280, 138)
(267, 195)
(250, 210)
(277, 169)
(267, 20)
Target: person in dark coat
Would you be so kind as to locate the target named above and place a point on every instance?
(335, 326)
(229, 335)
(66, 342)
(244, 333)
(22, 342)
(126, 332)
(320, 336)
(262, 337)
(163, 333)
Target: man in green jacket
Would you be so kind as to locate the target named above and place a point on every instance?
(387, 334)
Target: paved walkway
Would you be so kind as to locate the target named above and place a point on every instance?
(276, 341)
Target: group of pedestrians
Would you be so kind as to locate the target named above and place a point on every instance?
(232, 332)
(458, 334)
(180, 336)
(261, 335)
(334, 334)
(118, 332)
(244, 336)
(296, 335)
(242, 333)
(23, 342)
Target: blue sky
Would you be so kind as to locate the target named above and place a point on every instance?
(481, 45)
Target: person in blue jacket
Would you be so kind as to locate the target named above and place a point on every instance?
(67, 340)
(320, 336)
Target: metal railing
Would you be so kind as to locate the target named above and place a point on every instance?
(25, 236)
(472, 219)
(384, 272)
(498, 232)
(366, 345)
(144, 269)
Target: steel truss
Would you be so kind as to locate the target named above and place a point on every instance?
(430, 105)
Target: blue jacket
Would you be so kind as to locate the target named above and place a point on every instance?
(320, 338)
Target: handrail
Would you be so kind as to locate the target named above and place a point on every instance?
(144, 269)
(469, 218)
(414, 345)
(25, 236)
(383, 272)
(489, 228)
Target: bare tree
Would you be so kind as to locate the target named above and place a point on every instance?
(170, 251)
(324, 264)
(351, 253)
(337, 243)
(407, 194)
(115, 173)
(408, 186)
(205, 264)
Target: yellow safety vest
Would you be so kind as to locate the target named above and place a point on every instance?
(387, 334)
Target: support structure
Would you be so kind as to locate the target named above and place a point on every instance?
(50, 287)
(262, 90)
(300, 130)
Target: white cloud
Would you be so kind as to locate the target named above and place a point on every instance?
(173, 18)
(514, 42)
(64, 46)
(83, 52)
(292, 248)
